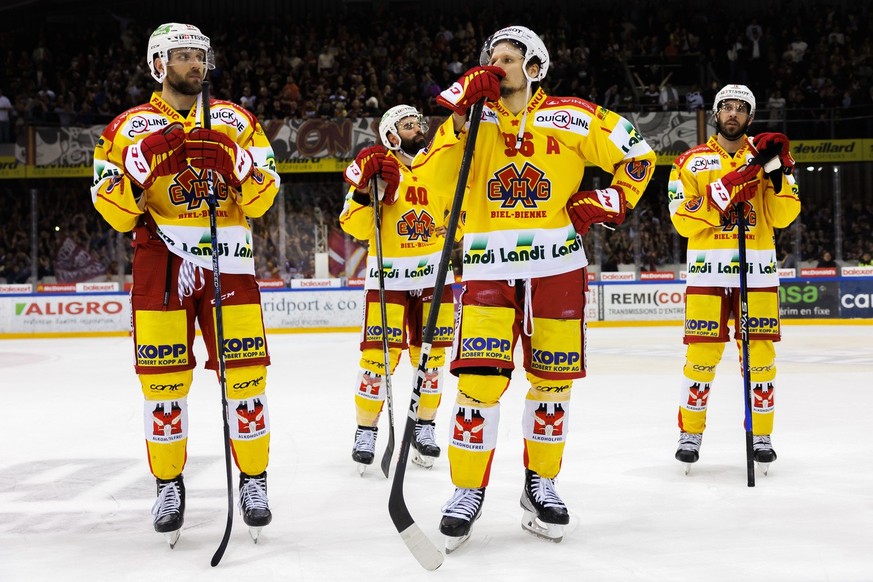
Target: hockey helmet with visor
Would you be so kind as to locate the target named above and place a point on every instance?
(391, 122)
(524, 39)
(734, 92)
(174, 35)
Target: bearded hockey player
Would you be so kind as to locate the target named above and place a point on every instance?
(416, 187)
(708, 184)
(151, 168)
(525, 266)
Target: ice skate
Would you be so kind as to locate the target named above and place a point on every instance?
(763, 450)
(459, 513)
(253, 503)
(424, 447)
(545, 515)
(169, 509)
(689, 449)
(364, 450)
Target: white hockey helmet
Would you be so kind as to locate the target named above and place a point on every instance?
(738, 92)
(389, 121)
(172, 36)
(527, 41)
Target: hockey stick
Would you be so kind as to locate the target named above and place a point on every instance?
(744, 340)
(427, 554)
(377, 218)
(744, 331)
(212, 202)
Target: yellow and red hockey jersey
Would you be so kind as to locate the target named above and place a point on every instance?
(410, 249)
(516, 221)
(713, 253)
(178, 203)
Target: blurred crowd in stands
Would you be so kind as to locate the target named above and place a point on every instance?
(810, 61)
(646, 56)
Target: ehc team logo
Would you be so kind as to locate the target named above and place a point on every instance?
(512, 187)
(416, 226)
(191, 189)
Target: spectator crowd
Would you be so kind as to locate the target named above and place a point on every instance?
(374, 56)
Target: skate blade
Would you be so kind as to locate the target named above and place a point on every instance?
(255, 532)
(765, 467)
(172, 537)
(362, 468)
(453, 543)
(551, 532)
(687, 467)
(421, 460)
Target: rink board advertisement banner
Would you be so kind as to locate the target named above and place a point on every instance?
(84, 312)
(656, 301)
(319, 309)
(810, 299)
(856, 298)
(322, 308)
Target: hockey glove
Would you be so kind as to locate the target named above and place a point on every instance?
(724, 192)
(595, 206)
(209, 149)
(373, 161)
(473, 86)
(769, 146)
(159, 154)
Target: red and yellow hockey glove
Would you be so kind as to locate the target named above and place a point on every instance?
(595, 206)
(159, 154)
(473, 86)
(209, 149)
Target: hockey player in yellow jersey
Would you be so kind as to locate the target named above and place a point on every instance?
(524, 268)
(706, 184)
(418, 186)
(154, 166)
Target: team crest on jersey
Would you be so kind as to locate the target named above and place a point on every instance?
(729, 223)
(638, 170)
(416, 226)
(694, 204)
(512, 187)
(191, 189)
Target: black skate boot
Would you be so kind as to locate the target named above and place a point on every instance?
(365, 447)
(545, 515)
(689, 448)
(253, 503)
(424, 444)
(459, 513)
(763, 449)
(169, 508)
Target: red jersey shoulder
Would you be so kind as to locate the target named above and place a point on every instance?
(685, 156)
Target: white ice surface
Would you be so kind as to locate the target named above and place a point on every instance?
(75, 491)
